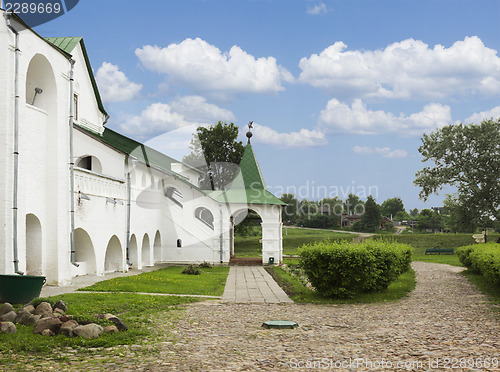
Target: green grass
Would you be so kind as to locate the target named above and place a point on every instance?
(168, 280)
(420, 242)
(135, 310)
(301, 294)
(293, 239)
(490, 290)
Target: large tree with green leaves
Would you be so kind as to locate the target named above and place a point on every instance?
(391, 207)
(217, 153)
(467, 157)
(370, 220)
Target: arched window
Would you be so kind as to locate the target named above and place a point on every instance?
(173, 194)
(179, 243)
(205, 216)
(90, 163)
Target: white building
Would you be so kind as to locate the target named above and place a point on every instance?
(78, 198)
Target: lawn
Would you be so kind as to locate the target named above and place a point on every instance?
(168, 280)
(135, 310)
(293, 238)
(301, 294)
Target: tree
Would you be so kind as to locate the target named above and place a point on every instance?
(431, 220)
(217, 153)
(467, 157)
(391, 207)
(370, 221)
(414, 212)
(290, 211)
(353, 205)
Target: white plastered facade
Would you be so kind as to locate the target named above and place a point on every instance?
(165, 205)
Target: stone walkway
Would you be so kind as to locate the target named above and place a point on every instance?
(252, 284)
(445, 321)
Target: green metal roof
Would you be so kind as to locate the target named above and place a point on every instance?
(249, 186)
(67, 45)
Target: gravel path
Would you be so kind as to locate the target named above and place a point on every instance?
(445, 317)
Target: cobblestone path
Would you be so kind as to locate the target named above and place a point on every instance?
(445, 317)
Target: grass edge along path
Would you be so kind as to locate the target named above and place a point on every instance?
(168, 280)
(299, 293)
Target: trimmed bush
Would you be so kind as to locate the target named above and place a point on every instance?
(483, 259)
(341, 269)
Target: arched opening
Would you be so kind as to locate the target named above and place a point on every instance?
(246, 234)
(84, 249)
(40, 84)
(144, 180)
(157, 253)
(146, 251)
(114, 256)
(34, 263)
(204, 215)
(90, 163)
(132, 252)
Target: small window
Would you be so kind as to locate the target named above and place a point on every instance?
(75, 107)
(85, 163)
(173, 194)
(205, 216)
(179, 243)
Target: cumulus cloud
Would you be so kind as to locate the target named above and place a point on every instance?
(478, 117)
(203, 67)
(302, 138)
(196, 108)
(114, 86)
(385, 152)
(406, 69)
(155, 119)
(316, 9)
(338, 117)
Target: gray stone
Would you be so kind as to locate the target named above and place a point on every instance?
(7, 327)
(47, 332)
(67, 327)
(29, 308)
(91, 330)
(61, 305)
(43, 308)
(119, 323)
(6, 308)
(9, 317)
(58, 311)
(25, 317)
(47, 323)
(110, 329)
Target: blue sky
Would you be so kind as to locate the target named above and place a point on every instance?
(340, 91)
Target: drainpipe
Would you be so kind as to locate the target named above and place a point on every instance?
(129, 198)
(128, 218)
(72, 161)
(16, 143)
(221, 239)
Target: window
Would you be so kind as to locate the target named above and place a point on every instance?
(205, 216)
(85, 163)
(75, 107)
(179, 243)
(173, 194)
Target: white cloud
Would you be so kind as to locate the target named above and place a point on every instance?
(316, 9)
(203, 67)
(478, 117)
(155, 119)
(196, 108)
(114, 86)
(302, 138)
(406, 69)
(338, 117)
(385, 152)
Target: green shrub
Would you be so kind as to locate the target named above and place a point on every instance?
(205, 265)
(191, 270)
(340, 269)
(483, 259)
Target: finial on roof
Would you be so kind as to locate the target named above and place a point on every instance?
(249, 133)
